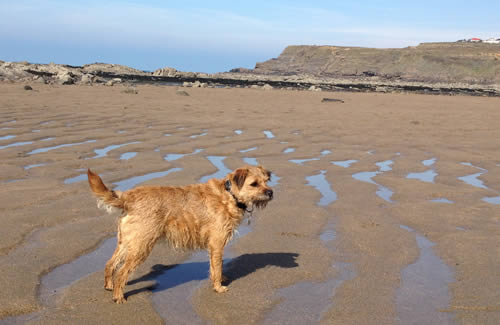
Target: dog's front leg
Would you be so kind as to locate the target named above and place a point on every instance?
(216, 252)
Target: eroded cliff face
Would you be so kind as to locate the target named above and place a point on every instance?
(428, 62)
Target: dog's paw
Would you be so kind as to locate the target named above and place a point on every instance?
(221, 289)
(119, 300)
(108, 287)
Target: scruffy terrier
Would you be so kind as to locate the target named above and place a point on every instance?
(198, 216)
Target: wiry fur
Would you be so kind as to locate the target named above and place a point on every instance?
(108, 208)
(199, 216)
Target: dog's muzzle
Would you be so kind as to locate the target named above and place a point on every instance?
(269, 194)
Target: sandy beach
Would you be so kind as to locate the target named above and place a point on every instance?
(386, 209)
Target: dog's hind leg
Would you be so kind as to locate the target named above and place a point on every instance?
(138, 249)
(114, 261)
(112, 264)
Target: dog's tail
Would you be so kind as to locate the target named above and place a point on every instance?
(107, 199)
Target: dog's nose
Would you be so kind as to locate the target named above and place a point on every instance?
(269, 193)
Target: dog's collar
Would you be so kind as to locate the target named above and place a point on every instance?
(239, 204)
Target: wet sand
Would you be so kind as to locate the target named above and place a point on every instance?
(332, 248)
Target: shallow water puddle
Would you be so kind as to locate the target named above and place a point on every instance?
(442, 200)
(248, 150)
(473, 179)
(65, 275)
(289, 150)
(33, 166)
(217, 161)
(170, 294)
(238, 132)
(344, 163)
(52, 285)
(274, 181)
(128, 155)
(382, 191)
(268, 134)
(76, 179)
(384, 166)
(302, 161)
(429, 162)
(16, 144)
(7, 137)
(174, 287)
(104, 151)
(492, 200)
(41, 150)
(176, 156)
(427, 176)
(325, 152)
(320, 183)
(305, 302)
(329, 233)
(250, 161)
(129, 183)
(424, 287)
(194, 136)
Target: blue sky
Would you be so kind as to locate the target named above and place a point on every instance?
(214, 36)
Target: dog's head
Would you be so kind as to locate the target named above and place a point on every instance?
(249, 185)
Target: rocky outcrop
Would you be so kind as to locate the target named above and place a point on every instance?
(441, 68)
(96, 68)
(429, 62)
(65, 74)
(173, 73)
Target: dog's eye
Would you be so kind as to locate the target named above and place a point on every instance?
(254, 184)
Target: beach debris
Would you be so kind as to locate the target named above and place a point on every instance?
(130, 90)
(331, 100)
(181, 92)
(27, 87)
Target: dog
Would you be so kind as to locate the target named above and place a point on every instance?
(198, 216)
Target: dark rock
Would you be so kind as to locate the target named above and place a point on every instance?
(331, 100)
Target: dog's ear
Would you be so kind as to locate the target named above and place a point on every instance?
(239, 176)
(265, 171)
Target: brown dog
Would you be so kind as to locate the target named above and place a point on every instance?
(199, 216)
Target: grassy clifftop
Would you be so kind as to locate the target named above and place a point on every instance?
(428, 62)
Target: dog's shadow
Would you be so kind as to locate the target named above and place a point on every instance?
(171, 276)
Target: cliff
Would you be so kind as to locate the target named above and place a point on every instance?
(429, 62)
